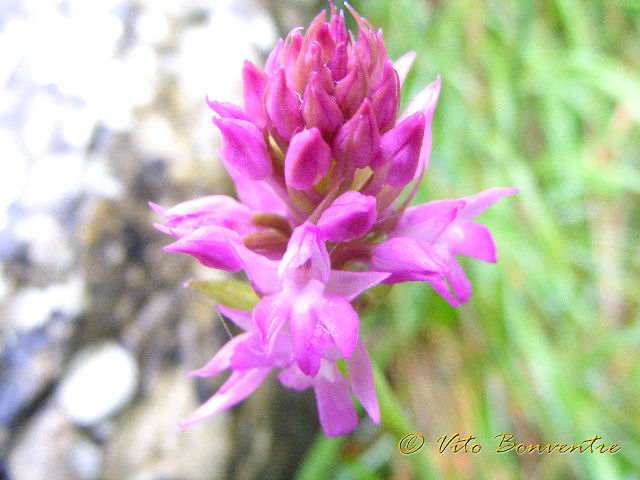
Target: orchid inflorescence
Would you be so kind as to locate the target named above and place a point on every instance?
(319, 158)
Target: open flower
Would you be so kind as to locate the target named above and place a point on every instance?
(250, 365)
(306, 296)
(446, 228)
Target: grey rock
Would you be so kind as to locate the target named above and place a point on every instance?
(146, 445)
(100, 381)
(45, 449)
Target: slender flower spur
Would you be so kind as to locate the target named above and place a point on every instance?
(319, 155)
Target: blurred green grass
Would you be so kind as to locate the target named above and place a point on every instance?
(544, 96)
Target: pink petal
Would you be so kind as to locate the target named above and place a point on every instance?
(243, 148)
(336, 412)
(302, 328)
(227, 110)
(361, 379)
(427, 221)
(313, 61)
(262, 272)
(221, 360)
(211, 246)
(270, 315)
(179, 233)
(478, 203)
(459, 281)
(239, 386)
(338, 62)
(306, 257)
(403, 65)
(239, 317)
(470, 239)
(323, 36)
(440, 285)
(208, 204)
(365, 46)
(337, 25)
(249, 354)
(274, 59)
(349, 285)
(292, 377)
(157, 208)
(414, 276)
(254, 82)
(407, 254)
(291, 54)
(424, 102)
(186, 217)
(257, 195)
(341, 321)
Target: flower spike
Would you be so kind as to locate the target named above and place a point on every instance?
(320, 159)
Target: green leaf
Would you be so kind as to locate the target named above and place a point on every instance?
(230, 293)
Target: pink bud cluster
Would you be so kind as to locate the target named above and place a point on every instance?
(319, 156)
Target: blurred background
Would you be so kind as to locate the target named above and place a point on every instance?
(102, 109)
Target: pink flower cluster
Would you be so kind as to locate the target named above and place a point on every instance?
(319, 157)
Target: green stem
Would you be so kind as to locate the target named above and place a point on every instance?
(395, 421)
(318, 460)
(324, 452)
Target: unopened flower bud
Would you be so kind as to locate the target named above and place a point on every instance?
(227, 110)
(337, 26)
(322, 35)
(290, 55)
(338, 62)
(350, 216)
(357, 143)
(407, 258)
(424, 102)
(403, 65)
(283, 106)
(243, 148)
(274, 60)
(314, 62)
(385, 99)
(186, 217)
(319, 109)
(211, 246)
(352, 90)
(308, 159)
(254, 82)
(401, 145)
